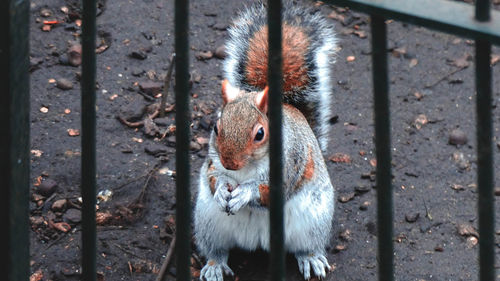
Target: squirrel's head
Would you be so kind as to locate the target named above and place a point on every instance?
(242, 131)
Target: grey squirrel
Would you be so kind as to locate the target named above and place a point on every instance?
(233, 197)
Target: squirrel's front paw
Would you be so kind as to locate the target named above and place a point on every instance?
(222, 193)
(317, 262)
(241, 196)
(214, 271)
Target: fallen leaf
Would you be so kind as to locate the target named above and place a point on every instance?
(399, 52)
(340, 158)
(373, 162)
(73, 132)
(420, 121)
(351, 58)
(37, 276)
(467, 230)
(461, 62)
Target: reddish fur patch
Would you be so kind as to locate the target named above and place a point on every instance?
(264, 194)
(212, 180)
(309, 169)
(294, 46)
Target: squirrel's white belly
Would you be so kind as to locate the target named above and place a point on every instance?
(249, 227)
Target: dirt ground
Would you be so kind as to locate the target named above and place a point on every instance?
(432, 104)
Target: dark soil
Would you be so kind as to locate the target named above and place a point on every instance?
(432, 94)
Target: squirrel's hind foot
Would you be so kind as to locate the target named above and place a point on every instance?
(317, 262)
(214, 271)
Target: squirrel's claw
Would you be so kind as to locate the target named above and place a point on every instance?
(215, 271)
(241, 196)
(317, 262)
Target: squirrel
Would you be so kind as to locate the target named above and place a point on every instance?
(233, 196)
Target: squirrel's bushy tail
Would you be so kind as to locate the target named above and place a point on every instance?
(308, 46)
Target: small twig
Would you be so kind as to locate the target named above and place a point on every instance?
(144, 187)
(163, 101)
(444, 77)
(130, 124)
(166, 262)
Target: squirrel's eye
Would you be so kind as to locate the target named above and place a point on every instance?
(260, 134)
(216, 130)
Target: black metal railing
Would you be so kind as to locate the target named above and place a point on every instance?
(478, 23)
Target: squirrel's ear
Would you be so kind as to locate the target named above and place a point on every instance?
(261, 100)
(229, 93)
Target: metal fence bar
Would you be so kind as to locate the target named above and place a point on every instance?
(88, 164)
(485, 174)
(382, 147)
(277, 263)
(15, 138)
(182, 119)
(446, 16)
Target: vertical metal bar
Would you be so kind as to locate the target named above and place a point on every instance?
(483, 10)
(485, 174)
(275, 162)
(182, 117)
(383, 148)
(88, 164)
(15, 137)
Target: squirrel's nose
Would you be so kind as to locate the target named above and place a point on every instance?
(231, 164)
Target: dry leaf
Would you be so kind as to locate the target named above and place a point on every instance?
(420, 121)
(340, 158)
(461, 62)
(413, 62)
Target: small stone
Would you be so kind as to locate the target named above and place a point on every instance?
(364, 206)
(138, 54)
(171, 141)
(220, 52)
(360, 189)
(151, 88)
(497, 191)
(59, 205)
(345, 235)
(194, 146)
(412, 217)
(75, 55)
(47, 187)
(471, 242)
(457, 137)
(467, 230)
(73, 215)
(439, 248)
(204, 55)
(137, 72)
(206, 123)
(350, 58)
(64, 84)
(344, 198)
(44, 12)
(339, 248)
(156, 150)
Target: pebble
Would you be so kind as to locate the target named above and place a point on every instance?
(139, 54)
(497, 191)
(59, 205)
(75, 55)
(206, 123)
(345, 235)
(360, 189)
(194, 146)
(344, 198)
(64, 84)
(44, 12)
(412, 217)
(156, 149)
(47, 187)
(73, 215)
(204, 55)
(220, 52)
(457, 137)
(151, 88)
(364, 206)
